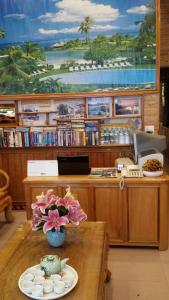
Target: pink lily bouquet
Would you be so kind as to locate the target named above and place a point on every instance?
(51, 212)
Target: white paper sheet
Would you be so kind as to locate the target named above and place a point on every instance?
(42, 168)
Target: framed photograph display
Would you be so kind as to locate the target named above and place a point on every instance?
(135, 122)
(99, 107)
(32, 120)
(127, 106)
(7, 113)
(68, 109)
(34, 106)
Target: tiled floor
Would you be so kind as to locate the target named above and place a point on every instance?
(6, 230)
(137, 273)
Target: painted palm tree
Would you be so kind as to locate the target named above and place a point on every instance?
(2, 33)
(54, 85)
(46, 86)
(85, 27)
(12, 64)
(147, 32)
(33, 50)
(118, 39)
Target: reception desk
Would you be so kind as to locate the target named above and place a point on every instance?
(135, 216)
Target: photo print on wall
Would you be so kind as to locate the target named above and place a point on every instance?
(99, 45)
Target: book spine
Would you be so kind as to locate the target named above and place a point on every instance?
(1, 137)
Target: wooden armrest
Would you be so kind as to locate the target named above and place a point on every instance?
(6, 185)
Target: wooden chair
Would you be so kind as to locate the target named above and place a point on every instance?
(5, 198)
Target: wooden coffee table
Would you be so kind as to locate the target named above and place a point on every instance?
(85, 245)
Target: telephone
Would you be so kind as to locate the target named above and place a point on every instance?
(131, 171)
(122, 162)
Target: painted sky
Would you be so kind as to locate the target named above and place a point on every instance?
(58, 20)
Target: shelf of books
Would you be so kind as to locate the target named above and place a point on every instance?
(92, 121)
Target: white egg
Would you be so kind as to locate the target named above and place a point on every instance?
(59, 287)
(48, 286)
(67, 272)
(39, 272)
(37, 291)
(68, 280)
(35, 271)
(39, 279)
(28, 276)
(30, 270)
(27, 286)
(55, 277)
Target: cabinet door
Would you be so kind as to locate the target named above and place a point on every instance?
(32, 191)
(85, 197)
(36, 191)
(110, 208)
(143, 214)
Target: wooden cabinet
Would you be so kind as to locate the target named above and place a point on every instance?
(136, 215)
(109, 208)
(142, 209)
(85, 197)
(131, 214)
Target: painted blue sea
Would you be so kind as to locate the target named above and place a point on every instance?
(106, 77)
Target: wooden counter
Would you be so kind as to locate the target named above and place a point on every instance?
(26, 248)
(14, 162)
(136, 215)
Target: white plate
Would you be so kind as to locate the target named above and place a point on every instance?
(53, 295)
(153, 173)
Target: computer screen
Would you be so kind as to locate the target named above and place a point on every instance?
(73, 165)
(147, 143)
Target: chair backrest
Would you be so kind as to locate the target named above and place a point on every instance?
(4, 180)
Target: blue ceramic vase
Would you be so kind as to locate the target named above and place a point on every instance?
(55, 238)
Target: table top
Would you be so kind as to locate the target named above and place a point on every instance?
(68, 179)
(84, 245)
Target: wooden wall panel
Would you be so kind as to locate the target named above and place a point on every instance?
(14, 162)
(151, 110)
(164, 30)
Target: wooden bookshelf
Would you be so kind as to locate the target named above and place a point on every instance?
(14, 159)
(71, 122)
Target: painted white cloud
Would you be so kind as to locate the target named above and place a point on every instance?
(16, 16)
(132, 27)
(70, 11)
(74, 30)
(103, 27)
(55, 31)
(141, 10)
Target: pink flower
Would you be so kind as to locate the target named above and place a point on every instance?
(76, 215)
(51, 212)
(67, 202)
(54, 221)
(44, 201)
(37, 218)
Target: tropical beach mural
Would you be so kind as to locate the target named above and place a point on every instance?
(65, 46)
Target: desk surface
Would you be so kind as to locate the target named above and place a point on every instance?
(84, 245)
(89, 178)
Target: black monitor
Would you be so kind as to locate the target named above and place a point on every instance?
(147, 143)
(73, 165)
